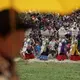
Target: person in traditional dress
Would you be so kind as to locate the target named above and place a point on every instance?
(78, 38)
(68, 42)
(52, 48)
(74, 53)
(62, 50)
(44, 54)
(37, 49)
(74, 31)
(44, 51)
(29, 52)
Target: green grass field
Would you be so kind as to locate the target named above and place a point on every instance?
(48, 71)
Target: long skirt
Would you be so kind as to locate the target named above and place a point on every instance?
(28, 56)
(43, 57)
(75, 57)
(61, 57)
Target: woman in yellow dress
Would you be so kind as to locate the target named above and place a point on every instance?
(74, 53)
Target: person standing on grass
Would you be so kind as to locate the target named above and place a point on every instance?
(74, 52)
(62, 52)
(52, 49)
(37, 49)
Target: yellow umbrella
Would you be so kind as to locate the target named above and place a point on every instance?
(38, 5)
(69, 5)
(61, 6)
(4, 4)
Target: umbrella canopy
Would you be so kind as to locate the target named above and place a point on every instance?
(61, 6)
(4, 4)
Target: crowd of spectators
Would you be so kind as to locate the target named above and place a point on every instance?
(55, 24)
(51, 20)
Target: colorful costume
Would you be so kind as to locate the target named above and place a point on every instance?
(44, 54)
(74, 52)
(37, 50)
(52, 48)
(78, 38)
(27, 52)
(44, 51)
(68, 41)
(62, 51)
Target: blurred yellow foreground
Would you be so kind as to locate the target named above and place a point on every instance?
(61, 6)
